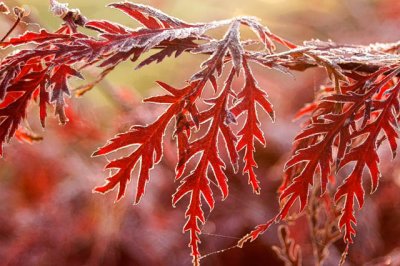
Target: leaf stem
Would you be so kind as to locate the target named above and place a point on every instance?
(11, 29)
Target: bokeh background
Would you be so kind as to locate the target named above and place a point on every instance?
(49, 216)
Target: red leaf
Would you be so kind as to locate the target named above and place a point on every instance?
(197, 183)
(149, 152)
(248, 97)
(33, 37)
(60, 87)
(149, 17)
(14, 107)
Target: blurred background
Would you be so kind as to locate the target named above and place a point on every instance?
(49, 216)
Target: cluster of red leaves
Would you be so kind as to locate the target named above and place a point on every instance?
(42, 74)
(367, 113)
(188, 119)
(345, 126)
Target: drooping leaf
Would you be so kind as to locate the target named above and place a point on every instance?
(197, 183)
(249, 96)
(60, 88)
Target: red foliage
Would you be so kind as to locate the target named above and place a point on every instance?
(347, 121)
(345, 130)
